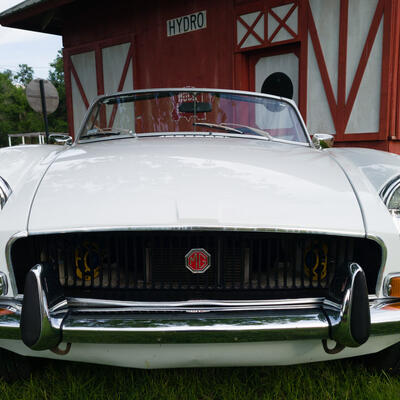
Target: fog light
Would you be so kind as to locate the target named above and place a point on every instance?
(392, 287)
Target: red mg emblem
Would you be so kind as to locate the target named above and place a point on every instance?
(198, 261)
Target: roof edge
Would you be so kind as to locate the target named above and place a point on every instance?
(29, 8)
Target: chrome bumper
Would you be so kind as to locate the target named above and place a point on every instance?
(213, 327)
(45, 319)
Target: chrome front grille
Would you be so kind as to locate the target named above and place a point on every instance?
(138, 265)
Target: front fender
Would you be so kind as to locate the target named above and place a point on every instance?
(368, 171)
(379, 167)
(23, 167)
(17, 162)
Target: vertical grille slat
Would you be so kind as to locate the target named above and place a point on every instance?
(269, 265)
(74, 274)
(285, 264)
(259, 262)
(92, 277)
(293, 254)
(117, 261)
(108, 261)
(277, 265)
(308, 246)
(124, 240)
(134, 261)
(319, 272)
(65, 261)
(144, 255)
(220, 266)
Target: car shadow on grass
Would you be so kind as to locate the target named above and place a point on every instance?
(347, 379)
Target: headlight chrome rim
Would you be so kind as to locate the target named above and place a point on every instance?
(5, 192)
(388, 192)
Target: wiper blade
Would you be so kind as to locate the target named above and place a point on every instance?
(255, 130)
(217, 126)
(99, 133)
(228, 128)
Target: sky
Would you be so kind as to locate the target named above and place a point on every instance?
(17, 46)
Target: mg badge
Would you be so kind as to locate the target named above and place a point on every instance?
(198, 261)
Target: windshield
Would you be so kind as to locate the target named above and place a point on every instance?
(173, 112)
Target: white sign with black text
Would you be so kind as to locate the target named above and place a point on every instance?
(187, 23)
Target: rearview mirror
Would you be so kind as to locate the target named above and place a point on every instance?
(195, 106)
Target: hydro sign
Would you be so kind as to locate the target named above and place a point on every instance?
(187, 23)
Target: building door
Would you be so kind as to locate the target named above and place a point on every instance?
(276, 72)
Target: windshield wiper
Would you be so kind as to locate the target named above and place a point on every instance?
(99, 133)
(226, 127)
(255, 130)
(217, 126)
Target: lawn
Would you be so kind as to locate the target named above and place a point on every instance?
(336, 380)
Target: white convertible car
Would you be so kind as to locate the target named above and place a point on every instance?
(198, 227)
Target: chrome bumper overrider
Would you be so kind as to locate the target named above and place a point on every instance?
(212, 327)
(45, 318)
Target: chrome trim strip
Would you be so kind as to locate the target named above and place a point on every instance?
(63, 305)
(382, 244)
(190, 134)
(84, 302)
(189, 309)
(14, 238)
(199, 228)
(206, 134)
(93, 303)
(329, 304)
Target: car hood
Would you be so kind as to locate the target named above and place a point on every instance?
(207, 182)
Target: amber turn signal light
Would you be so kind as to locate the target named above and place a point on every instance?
(394, 287)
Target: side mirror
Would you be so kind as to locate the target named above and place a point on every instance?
(323, 140)
(59, 138)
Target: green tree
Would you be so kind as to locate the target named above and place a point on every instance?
(15, 114)
(56, 73)
(24, 74)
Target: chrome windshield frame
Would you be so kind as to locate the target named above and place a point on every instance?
(101, 98)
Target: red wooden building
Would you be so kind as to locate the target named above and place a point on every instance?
(342, 56)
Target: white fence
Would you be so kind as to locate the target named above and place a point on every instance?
(35, 138)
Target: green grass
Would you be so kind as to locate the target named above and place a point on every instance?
(334, 380)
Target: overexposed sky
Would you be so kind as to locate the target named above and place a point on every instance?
(17, 46)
